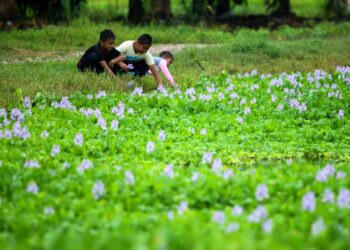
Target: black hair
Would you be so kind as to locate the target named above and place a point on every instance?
(145, 39)
(166, 54)
(106, 35)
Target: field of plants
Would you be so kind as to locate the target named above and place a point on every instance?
(234, 161)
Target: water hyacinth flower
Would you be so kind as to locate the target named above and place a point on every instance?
(137, 92)
(217, 165)
(309, 202)
(326, 172)
(247, 111)
(150, 147)
(228, 173)
(267, 226)
(273, 98)
(203, 131)
(232, 227)
(328, 196)
(261, 192)
(8, 134)
(161, 135)
(131, 111)
(33, 188)
(340, 175)
(234, 95)
(243, 101)
(20, 132)
(66, 104)
(101, 94)
(44, 134)
(253, 101)
(78, 140)
(16, 115)
(318, 227)
(341, 114)
(98, 190)
(89, 96)
(258, 214)
(32, 164)
(102, 123)
(119, 110)
(169, 171)
(55, 150)
(170, 215)
(190, 92)
(219, 217)
(239, 119)
(85, 164)
(344, 198)
(129, 178)
(114, 125)
(195, 176)
(49, 211)
(26, 102)
(221, 96)
(182, 207)
(280, 107)
(66, 165)
(3, 113)
(237, 210)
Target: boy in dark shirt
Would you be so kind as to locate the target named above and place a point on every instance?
(102, 56)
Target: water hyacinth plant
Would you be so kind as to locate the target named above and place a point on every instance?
(252, 157)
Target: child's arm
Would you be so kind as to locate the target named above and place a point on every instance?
(155, 74)
(164, 68)
(107, 68)
(116, 60)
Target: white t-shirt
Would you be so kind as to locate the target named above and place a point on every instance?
(128, 50)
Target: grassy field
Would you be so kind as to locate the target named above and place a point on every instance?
(286, 49)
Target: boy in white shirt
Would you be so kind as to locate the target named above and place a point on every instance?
(138, 58)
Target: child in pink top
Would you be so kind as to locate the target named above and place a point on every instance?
(162, 63)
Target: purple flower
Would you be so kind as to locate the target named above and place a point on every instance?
(55, 150)
(267, 226)
(66, 104)
(258, 214)
(130, 110)
(130, 66)
(114, 125)
(203, 131)
(221, 96)
(98, 190)
(66, 165)
(340, 175)
(44, 134)
(137, 91)
(247, 111)
(232, 227)
(326, 172)
(33, 188)
(253, 101)
(344, 198)
(101, 94)
(308, 202)
(318, 227)
(17, 115)
(195, 176)
(219, 217)
(129, 178)
(340, 114)
(280, 107)
(78, 140)
(102, 123)
(32, 164)
(85, 164)
(328, 196)
(240, 119)
(161, 135)
(150, 147)
(228, 173)
(8, 134)
(273, 98)
(169, 171)
(90, 96)
(3, 113)
(261, 192)
(237, 210)
(243, 101)
(170, 215)
(49, 211)
(182, 207)
(234, 95)
(26, 102)
(190, 91)
(217, 165)
(119, 110)
(207, 157)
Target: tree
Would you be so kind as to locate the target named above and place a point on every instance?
(161, 9)
(9, 10)
(337, 7)
(279, 7)
(135, 14)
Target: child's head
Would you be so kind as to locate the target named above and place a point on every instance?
(143, 43)
(107, 38)
(168, 56)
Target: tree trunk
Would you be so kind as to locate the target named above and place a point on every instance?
(222, 7)
(9, 10)
(284, 8)
(161, 9)
(135, 15)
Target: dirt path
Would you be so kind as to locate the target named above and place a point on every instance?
(29, 56)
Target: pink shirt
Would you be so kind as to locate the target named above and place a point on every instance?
(162, 66)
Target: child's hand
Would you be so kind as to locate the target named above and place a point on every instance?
(123, 66)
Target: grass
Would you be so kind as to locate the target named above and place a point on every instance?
(287, 49)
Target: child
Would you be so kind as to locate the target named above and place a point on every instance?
(138, 58)
(162, 63)
(102, 56)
